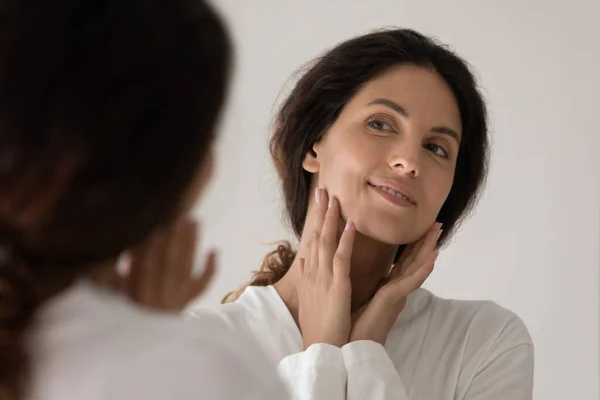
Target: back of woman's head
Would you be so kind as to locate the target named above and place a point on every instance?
(319, 97)
(107, 109)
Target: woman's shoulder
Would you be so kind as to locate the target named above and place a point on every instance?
(89, 318)
(260, 317)
(256, 305)
(483, 322)
(130, 345)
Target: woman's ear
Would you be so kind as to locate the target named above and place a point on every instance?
(311, 162)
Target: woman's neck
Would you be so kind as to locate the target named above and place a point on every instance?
(371, 262)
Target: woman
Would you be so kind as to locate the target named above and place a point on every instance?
(107, 119)
(388, 133)
(382, 150)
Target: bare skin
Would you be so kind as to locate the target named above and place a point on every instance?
(401, 131)
(160, 271)
(320, 285)
(402, 127)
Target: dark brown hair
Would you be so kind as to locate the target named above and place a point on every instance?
(317, 100)
(107, 109)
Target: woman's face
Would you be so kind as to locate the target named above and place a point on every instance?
(390, 156)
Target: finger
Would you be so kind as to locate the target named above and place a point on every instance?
(319, 218)
(199, 284)
(406, 252)
(313, 264)
(134, 274)
(422, 248)
(159, 273)
(153, 268)
(419, 244)
(428, 245)
(343, 256)
(403, 262)
(409, 283)
(301, 264)
(179, 261)
(328, 239)
(322, 199)
(143, 262)
(397, 270)
(357, 314)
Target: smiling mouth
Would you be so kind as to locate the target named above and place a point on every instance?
(392, 192)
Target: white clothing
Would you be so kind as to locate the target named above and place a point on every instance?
(438, 349)
(90, 343)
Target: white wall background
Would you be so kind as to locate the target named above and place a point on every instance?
(532, 244)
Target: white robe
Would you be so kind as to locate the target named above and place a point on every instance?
(438, 349)
(90, 343)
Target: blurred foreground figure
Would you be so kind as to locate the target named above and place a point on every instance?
(108, 113)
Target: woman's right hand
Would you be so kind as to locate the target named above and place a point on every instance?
(161, 269)
(324, 289)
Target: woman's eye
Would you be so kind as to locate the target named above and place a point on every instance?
(380, 125)
(437, 150)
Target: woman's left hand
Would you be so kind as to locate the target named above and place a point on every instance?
(375, 319)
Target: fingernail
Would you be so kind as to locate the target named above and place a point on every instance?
(318, 196)
(331, 199)
(349, 224)
(214, 255)
(439, 233)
